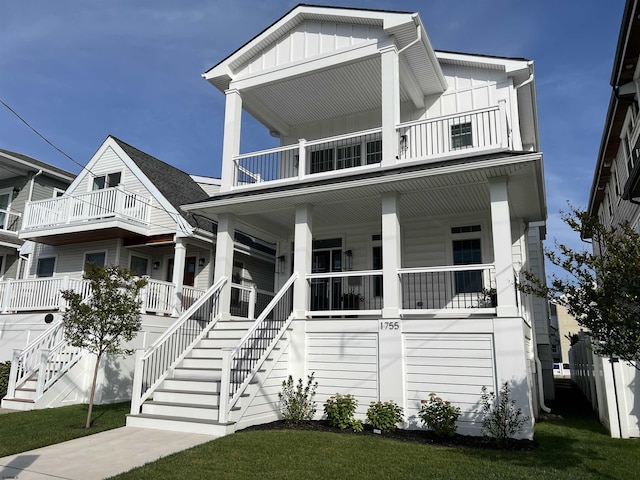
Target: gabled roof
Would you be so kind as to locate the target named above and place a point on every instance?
(31, 163)
(175, 185)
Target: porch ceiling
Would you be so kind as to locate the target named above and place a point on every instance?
(332, 93)
(425, 193)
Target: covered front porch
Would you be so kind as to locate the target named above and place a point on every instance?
(440, 239)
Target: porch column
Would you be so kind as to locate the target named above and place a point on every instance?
(303, 247)
(390, 104)
(231, 141)
(502, 256)
(224, 260)
(179, 255)
(390, 364)
(302, 258)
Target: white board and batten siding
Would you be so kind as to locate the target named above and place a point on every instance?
(345, 363)
(453, 366)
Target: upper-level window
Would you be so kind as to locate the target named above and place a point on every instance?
(348, 156)
(46, 267)
(106, 181)
(461, 136)
(345, 156)
(98, 258)
(374, 152)
(467, 252)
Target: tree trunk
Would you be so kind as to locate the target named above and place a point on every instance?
(93, 391)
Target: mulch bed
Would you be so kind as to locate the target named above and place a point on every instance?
(417, 436)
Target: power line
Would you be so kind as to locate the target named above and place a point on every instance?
(83, 167)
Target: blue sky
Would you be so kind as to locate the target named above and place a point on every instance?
(79, 70)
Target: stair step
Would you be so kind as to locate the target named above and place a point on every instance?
(192, 385)
(187, 397)
(211, 374)
(218, 342)
(201, 363)
(17, 404)
(180, 424)
(206, 352)
(176, 409)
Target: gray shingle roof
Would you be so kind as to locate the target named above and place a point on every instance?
(37, 163)
(174, 184)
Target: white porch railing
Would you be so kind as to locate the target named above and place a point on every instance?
(473, 131)
(48, 355)
(451, 287)
(114, 202)
(309, 158)
(359, 292)
(240, 363)
(9, 221)
(45, 294)
(153, 365)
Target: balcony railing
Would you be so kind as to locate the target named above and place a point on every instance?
(448, 287)
(345, 291)
(248, 301)
(459, 134)
(9, 221)
(454, 134)
(114, 202)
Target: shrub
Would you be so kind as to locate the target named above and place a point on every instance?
(340, 410)
(502, 420)
(296, 402)
(5, 369)
(439, 415)
(384, 415)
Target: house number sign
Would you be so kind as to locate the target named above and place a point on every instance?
(390, 325)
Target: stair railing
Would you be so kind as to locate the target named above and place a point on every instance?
(242, 362)
(154, 364)
(49, 355)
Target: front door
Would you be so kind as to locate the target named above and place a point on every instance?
(326, 292)
(189, 275)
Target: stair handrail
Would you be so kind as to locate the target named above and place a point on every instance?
(26, 362)
(54, 368)
(154, 364)
(234, 379)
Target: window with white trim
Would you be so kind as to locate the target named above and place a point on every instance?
(46, 267)
(106, 181)
(97, 258)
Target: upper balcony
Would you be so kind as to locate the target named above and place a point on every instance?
(470, 133)
(9, 221)
(115, 211)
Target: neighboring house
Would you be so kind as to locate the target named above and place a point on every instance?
(565, 328)
(122, 209)
(615, 198)
(22, 179)
(405, 198)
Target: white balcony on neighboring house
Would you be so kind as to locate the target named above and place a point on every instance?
(112, 210)
(9, 221)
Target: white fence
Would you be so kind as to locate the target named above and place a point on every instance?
(612, 387)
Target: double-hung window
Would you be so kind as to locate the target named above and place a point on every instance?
(461, 136)
(467, 251)
(106, 181)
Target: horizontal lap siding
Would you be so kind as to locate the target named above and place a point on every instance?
(345, 364)
(454, 367)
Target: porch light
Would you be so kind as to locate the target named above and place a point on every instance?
(156, 265)
(348, 260)
(280, 264)
(201, 262)
(404, 143)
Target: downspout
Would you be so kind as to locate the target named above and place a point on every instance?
(33, 179)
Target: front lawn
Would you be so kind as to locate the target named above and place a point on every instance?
(574, 447)
(23, 431)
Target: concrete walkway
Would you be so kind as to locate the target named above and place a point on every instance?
(97, 456)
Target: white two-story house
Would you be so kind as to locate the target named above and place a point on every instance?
(405, 197)
(122, 209)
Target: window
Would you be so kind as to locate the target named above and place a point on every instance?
(2, 262)
(322, 160)
(139, 265)
(97, 258)
(374, 152)
(467, 252)
(376, 252)
(348, 156)
(107, 181)
(46, 267)
(461, 136)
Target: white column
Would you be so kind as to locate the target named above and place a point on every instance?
(302, 258)
(231, 145)
(502, 257)
(390, 104)
(391, 255)
(179, 255)
(224, 260)
(390, 364)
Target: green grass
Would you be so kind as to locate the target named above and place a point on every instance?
(575, 447)
(23, 431)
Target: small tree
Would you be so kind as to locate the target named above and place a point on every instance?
(603, 290)
(106, 319)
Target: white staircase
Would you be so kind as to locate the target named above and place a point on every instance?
(188, 399)
(36, 368)
(195, 377)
